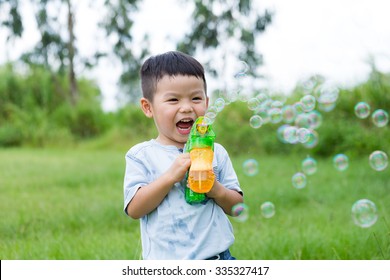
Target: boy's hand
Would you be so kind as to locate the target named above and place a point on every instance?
(224, 197)
(179, 167)
(216, 190)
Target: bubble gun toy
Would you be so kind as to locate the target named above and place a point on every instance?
(200, 177)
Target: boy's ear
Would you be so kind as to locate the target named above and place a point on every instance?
(146, 107)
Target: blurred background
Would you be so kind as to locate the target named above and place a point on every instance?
(287, 80)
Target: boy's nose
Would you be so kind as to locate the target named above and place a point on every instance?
(186, 107)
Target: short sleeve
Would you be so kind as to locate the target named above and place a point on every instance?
(226, 174)
(136, 176)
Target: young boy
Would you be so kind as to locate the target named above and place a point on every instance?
(174, 95)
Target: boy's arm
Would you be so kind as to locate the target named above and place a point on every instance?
(149, 197)
(225, 197)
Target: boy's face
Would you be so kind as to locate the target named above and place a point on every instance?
(177, 103)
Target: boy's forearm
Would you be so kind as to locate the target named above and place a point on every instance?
(225, 198)
(147, 198)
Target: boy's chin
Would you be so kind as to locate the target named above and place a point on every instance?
(182, 138)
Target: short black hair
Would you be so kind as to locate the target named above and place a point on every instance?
(171, 63)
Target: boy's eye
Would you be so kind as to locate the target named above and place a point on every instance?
(172, 100)
(197, 98)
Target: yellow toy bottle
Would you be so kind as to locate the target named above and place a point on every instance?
(200, 145)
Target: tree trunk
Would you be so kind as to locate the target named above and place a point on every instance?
(74, 94)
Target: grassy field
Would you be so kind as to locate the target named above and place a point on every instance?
(67, 204)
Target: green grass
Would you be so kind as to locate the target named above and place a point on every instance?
(67, 204)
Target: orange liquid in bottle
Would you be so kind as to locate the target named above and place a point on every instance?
(201, 176)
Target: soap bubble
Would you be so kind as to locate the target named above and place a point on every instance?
(380, 118)
(308, 102)
(212, 112)
(280, 133)
(240, 212)
(290, 134)
(302, 120)
(340, 162)
(288, 113)
(263, 113)
(253, 103)
(207, 120)
(262, 97)
(303, 134)
(364, 213)
(312, 141)
(298, 180)
(250, 167)
(378, 160)
(309, 166)
(267, 209)
(256, 121)
(277, 104)
(315, 119)
(298, 106)
(327, 98)
(242, 70)
(275, 115)
(210, 117)
(219, 104)
(362, 110)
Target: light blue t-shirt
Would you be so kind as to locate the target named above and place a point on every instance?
(176, 229)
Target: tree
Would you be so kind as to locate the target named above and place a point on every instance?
(214, 23)
(55, 50)
(217, 22)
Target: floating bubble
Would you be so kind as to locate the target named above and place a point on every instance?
(275, 115)
(309, 166)
(207, 120)
(210, 117)
(362, 110)
(277, 104)
(219, 104)
(380, 118)
(256, 121)
(303, 134)
(378, 160)
(267, 209)
(242, 70)
(263, 113)
(308, 102)
(299, 180)
(280, 133)
(312, 141)
(212, 110)
(262, 97)
(302, 120)
(327, 97)
(253, 104)
(250, 167)
(288, 113)
(240, 212)
(340, 162)
(298, 106)
(290, 134)
(364, 213)
(315, 119)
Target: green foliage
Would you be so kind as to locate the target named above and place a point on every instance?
(36, 110)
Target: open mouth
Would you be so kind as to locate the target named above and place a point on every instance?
(184, 126)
